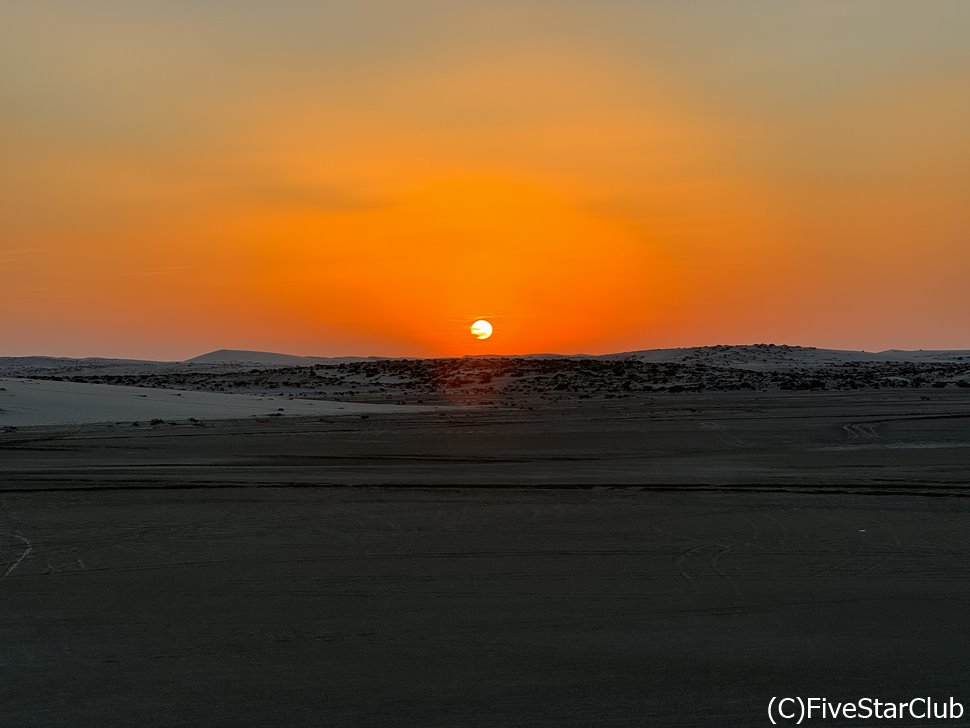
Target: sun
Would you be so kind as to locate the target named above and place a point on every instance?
(481, 329)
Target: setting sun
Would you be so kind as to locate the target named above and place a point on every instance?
(481, 329)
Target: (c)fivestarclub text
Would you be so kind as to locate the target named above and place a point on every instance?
(796, 710)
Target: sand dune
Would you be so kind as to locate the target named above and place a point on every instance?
(37, 402)
(773, 356)
(749, 356)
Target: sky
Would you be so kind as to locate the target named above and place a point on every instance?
(368, 178)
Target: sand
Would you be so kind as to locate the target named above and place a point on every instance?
(671, 561)
(472, 607)
(43, 402)
(876, 440)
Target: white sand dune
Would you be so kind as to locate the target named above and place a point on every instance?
(40, 402)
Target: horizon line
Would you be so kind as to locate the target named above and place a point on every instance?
(188, 360)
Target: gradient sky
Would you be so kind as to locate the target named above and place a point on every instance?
(369, 177)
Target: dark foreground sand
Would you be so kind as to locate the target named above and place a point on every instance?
(873, 439)
(195, 576)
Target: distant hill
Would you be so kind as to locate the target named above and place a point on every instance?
(241, 356)
(756, 357)
(748, 355)
(497, 379)
(57, 362)
(48, 365)
(774, 356)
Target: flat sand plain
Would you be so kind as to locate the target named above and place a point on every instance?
(673, 560)
(32, 402)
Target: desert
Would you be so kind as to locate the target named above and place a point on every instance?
(484, 364)
(590, 555)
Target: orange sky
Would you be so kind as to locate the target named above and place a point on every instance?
(590, 177)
